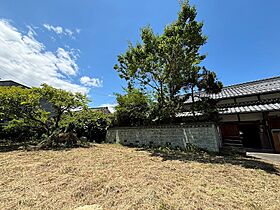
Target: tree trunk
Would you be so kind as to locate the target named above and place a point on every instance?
(193, 102)
(57, 120)
(161, 102)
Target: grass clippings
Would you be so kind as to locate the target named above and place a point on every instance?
(116, 177)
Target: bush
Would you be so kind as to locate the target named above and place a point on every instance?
(133, 109)
(47, 114)
(87, 123)
(35, 110)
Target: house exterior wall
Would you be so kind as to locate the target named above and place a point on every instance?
(270, 96)
(251, 117)
(225, 101)
(229, 118)
(246, 99)
(248, 112)
(261, 135)
(203, 135)
(274, 114)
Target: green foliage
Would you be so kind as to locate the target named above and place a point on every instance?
(209, 83)
(87, 122)
(21, 109)
(167, 65)
(133, 108)
(203, 104)
(37, 110)
(60, 101)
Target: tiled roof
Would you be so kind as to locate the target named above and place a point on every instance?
(240, 109)
(269, 85)
(105, 110)
(251, 108)
(250, 88)
(188, 114)
(246, 89)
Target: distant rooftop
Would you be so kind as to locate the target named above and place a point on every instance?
(11, 83)
(105, 109)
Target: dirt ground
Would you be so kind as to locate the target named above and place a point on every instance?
(117, 177)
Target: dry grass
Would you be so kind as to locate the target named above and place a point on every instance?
(116, 177)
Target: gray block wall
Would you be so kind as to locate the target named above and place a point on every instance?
(203, 136)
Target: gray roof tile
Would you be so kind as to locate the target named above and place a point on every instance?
(241, 109)
(246, 89)
(251, 108)
(249, 88)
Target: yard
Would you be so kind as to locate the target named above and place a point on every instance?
(117, 177)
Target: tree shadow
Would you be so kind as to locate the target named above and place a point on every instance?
(31, 146)
(10, 147)
(214, 158)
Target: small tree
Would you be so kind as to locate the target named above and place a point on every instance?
(21, 110)
(60, 102)
(38, 109)
(133, 108)
(167, 65)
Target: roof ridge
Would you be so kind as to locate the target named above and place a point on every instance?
(8, 80)
(252, 82)
(20, 84)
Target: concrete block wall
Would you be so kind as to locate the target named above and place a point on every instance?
(202, 135)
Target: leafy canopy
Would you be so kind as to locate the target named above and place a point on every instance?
(87, 122)
(167, 65)
(132, 108)
(39, 109)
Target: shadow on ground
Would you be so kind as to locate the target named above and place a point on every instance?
(204, 157)
(10, 148)
(31, 146)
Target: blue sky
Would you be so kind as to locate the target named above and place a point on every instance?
(75, 44)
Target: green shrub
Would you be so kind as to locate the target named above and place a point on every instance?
(133, 109)
(88, 123)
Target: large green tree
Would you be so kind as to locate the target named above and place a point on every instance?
(167, 66)
(39, 109)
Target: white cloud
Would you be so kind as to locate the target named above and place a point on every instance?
(62, 31)
(91, 82)
(56, 29)
(78, 30)
(69, 32)
(111, 107)
(66, 62)
(26, 60)
(31, 31)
